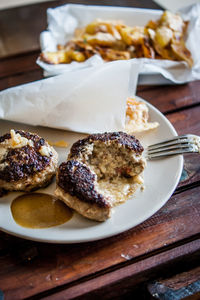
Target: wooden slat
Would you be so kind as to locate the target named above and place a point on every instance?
(118, 283)
(19, 79)
(171, 97)
(54, 265)
(182, 280)
(177, 287)
(18, 65)
(21, 33)
(191, 171)
(187, 121)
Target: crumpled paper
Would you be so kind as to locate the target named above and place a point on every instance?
(91, 100)
(63, 20)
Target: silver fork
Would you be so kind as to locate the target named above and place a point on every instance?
(187, 143)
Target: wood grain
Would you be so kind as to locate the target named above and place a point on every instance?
(169, 98)
(177, 287)
(186, 121)
(19, 64)
(126, 279)
(55, 265)
(19, 79)
(181, 280)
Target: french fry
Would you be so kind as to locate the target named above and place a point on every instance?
(55, 58)
(110, 54)
(181, 52)
(133, 35)
(100, 38)
(61, 57)
(163, 36)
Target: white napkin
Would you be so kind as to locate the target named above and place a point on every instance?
(89, 101)
(64, 19)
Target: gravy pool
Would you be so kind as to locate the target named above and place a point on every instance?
(38, 210)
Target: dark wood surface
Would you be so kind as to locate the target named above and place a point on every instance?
(124, 266)
(183, 285)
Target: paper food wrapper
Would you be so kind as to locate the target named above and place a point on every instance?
(63, 20)
(89, 101)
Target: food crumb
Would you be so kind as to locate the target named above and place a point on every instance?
(48, 277)
(126, 256)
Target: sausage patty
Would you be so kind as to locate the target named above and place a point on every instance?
(102, 171)
(27, 161)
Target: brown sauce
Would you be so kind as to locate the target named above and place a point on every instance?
(37, 210)
(60, 144)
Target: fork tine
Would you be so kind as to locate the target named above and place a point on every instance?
(170, 148)
(168, 153)
(174, 140)
(187, 143)
(166, 144)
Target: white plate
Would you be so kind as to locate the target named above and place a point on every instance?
(161, 178)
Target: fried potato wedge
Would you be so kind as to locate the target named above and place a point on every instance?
(111, 54)
(181, 52)
(62, 57)
(133, 35)
(100, 38)
(172, 21)
(104, 27)
(163, 36)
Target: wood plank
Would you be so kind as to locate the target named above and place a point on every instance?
(177, 287)
(19, 64)
(118, 283)
(51, 266)
(19, 79)
(187, 121)
(14, 3)
(182, 280)
(171, 97)
(191, 171)
(21, 33)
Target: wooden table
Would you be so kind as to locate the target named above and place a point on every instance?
(129, 265)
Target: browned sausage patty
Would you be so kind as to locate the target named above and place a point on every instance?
(102, 171)
(27, 161)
